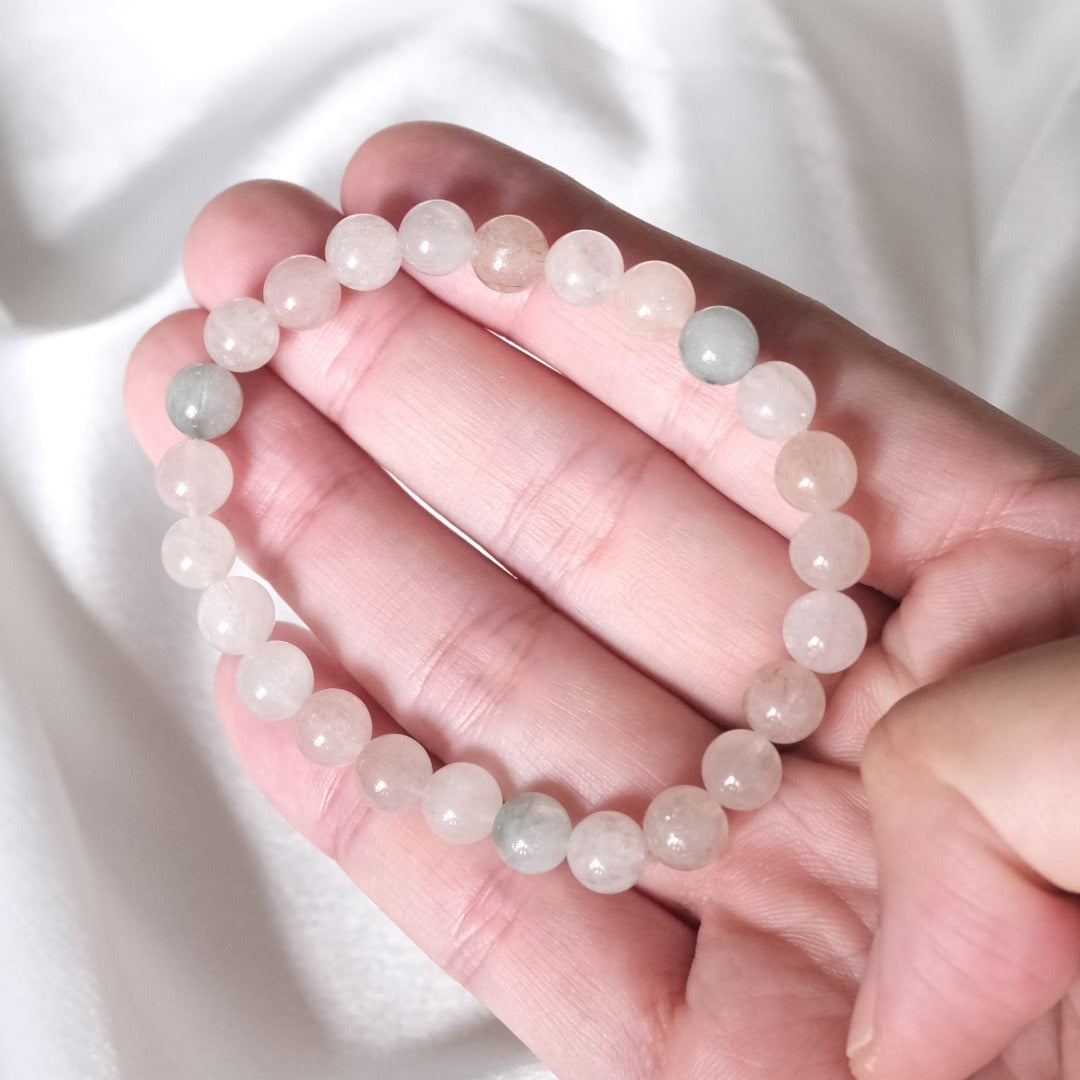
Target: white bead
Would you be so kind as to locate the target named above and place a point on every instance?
(775, 400)
(197, 551)
(363, 252)
(830, 551)
(241, 334)
(583, 267)
(654, 299)
(301, 292)
(460, 802)
(194, 477)
(436, 237)
(236, 614)
(274, 679)
(741, 769)
(531, 832)
(392, 771)
(332, 727)
(784, 701)
(606, 852)
(815, 471)
(718, 345)
(685, 827)
(508, 253)
(825, 631)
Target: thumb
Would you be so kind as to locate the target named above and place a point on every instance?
(974, 789)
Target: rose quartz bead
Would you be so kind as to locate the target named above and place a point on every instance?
(784, 702)
(583, 267)
(460, 802)
(531, 832)
(825, 631)
(685, 827)
(392, 771)
(508, 253)
(236, 614)
(301, 292)
(274, 679)
(741, 769)
(815, 471)
(654, 299)
(830, 551)
(775, 400)
(718, 345)
(436, 237)
(194, 477)
(203, 400)
(606, 852)
(197, 551)
(332, 727)
(241, 334)
(363, 252)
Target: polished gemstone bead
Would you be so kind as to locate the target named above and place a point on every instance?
(460, 802)
(815, 471)
(583, 267)
(654, 299)
(741, 769)
(830, 551)
(241, 334)
(363, 252)
(531, 832)
(606, 852)
(685, 827)
(197, 551)
(436, 237)
(784, 702)
(508, 253)
(332, 727)
(236, 614)
(775, 400)
(203, 400)
(194, 477)
(274, 679)
(718, 345)
(825, 631)
(301, 292)
(392, 771)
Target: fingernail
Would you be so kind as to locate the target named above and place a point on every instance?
(860, 1044)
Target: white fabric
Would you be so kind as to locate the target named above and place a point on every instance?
(913, 163)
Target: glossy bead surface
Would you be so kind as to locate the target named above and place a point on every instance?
(363, 252)
(583, 267)
(301, 292)
(332, 727)
(815, 471)
(830, 551)
(741, 769)
(654, 299)
(531, 832)
(508, 253)
(194, 477)
(825, 631)
(775, 400)
(197, 551)
(236, 614)
(460, 802)
(241, 335)
(784, 701)
(685, 827)
(203, 400)
(274, 679)
(392, 771)
(606, 852)
(718, 345)
(436, 237)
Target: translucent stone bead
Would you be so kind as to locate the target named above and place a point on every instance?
(236, 614)
(197, 551)
(825, 631)
(606, 852)
(815, 471)
(241, 334)
(203, 400)
(363, 252)
(392, 771)
(436, 237)
(775, 400)
(508, 253)
(301, 292)
(654, 299)
(685, 827)
(718, 345)
(830, 551)
(274, 679)
(784, 702)
(460, 802)
(194, 477)
(531, 832)
(583, 268)
(332, 727)
(741, 769)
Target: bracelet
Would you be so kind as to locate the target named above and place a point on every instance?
(824, 630)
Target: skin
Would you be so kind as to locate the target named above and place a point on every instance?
(648, 552)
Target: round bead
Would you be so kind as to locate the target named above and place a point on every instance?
(775, 400)
(718, 345)
(301, 292)
(531, 832)
(274, 679)
(203, 400)
(815, 471)
(606, 852)
(583, 267)
(197, 551)
(654, 299)
(363, 252)
(241, 334)
(194, 477)
(784, 702)
(332, 727)
(741, 769)
(392, 771)
(436, 237)
(236, 614)
(685, 827)
(508, 253)
(830, 551)
(825, 631)
(460, 802)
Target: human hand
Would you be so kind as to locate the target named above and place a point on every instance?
(651, 576)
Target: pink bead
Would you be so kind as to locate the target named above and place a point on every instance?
(825, 631)
(241, 334)
(363, 252)
(301, 292)
(775, 400)
(392, 771)
(197, 551)
(830, 551)
(784, 702)
(332, 727)
(685, 827)
(194, 477)
(460, 802)
(274, 679)
(236, 615)
(436, 237)
(654, 299)
(815, 471)
(508, 253)
(741, 769)
(583, 268)
(606, 852)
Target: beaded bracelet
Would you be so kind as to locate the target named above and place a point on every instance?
(824, 631)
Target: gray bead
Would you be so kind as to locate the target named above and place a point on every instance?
(718, 345)
(531, 832)
(203, 400)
